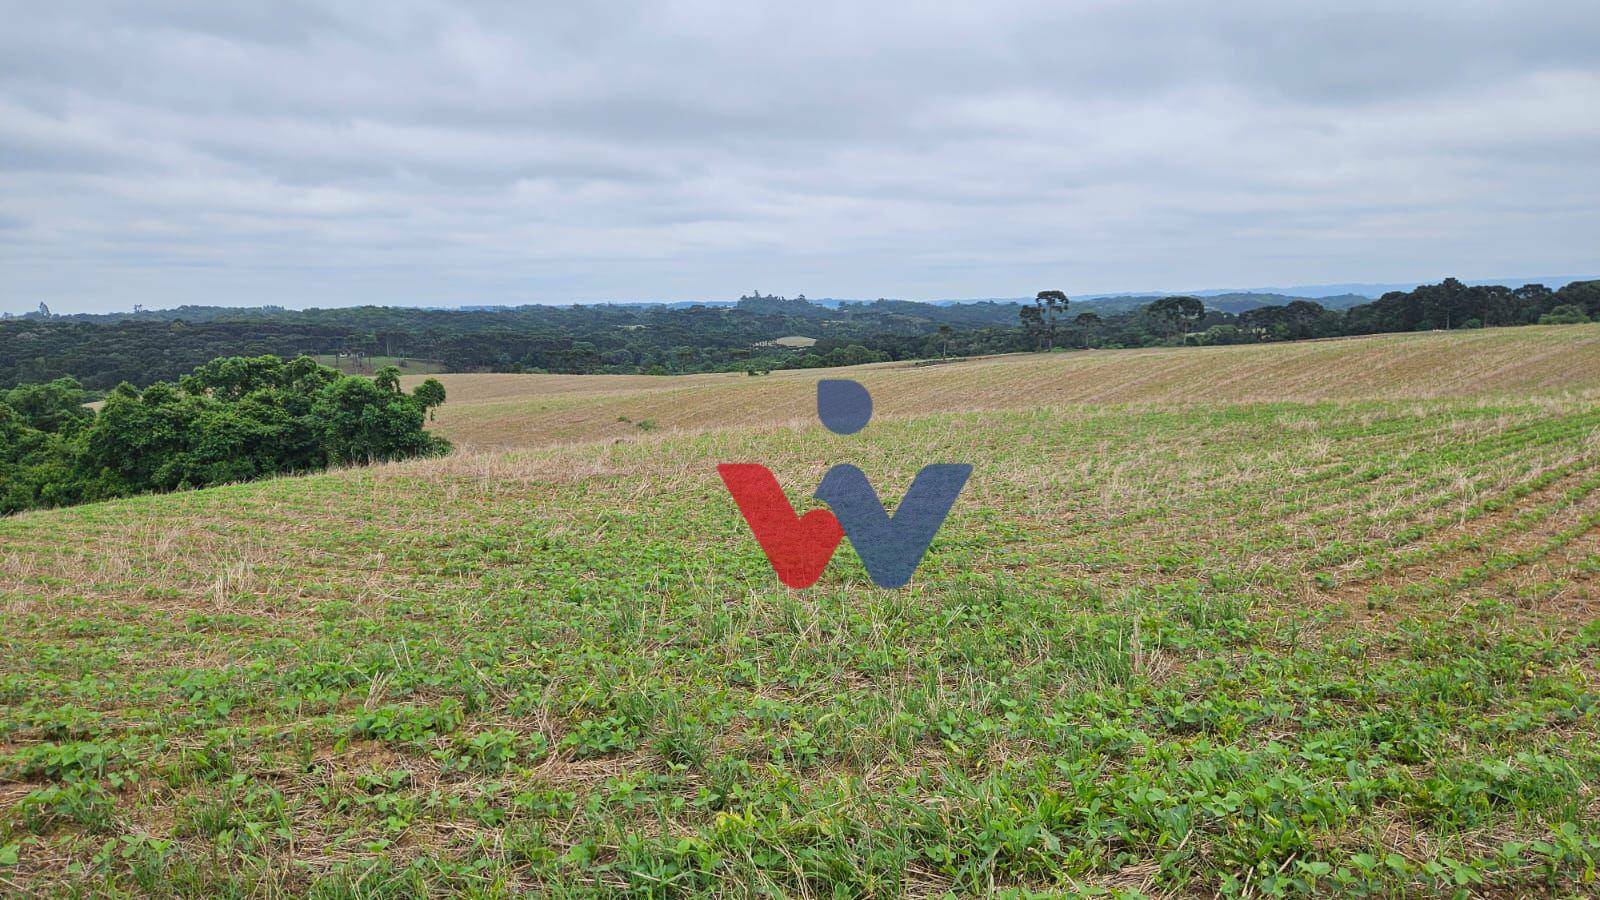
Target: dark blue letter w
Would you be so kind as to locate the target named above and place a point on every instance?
(891, 548)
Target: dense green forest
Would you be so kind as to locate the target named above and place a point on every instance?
(1450, 304)
(232, 419)
(149, 346)
(103, 351)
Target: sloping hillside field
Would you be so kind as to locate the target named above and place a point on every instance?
(492, 412)
(1284, 619)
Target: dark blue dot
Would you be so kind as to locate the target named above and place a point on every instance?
(844, 406)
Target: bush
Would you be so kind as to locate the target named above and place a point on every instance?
(233, 419)
(1566, 314)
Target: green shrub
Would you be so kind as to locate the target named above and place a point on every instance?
(1566, 314)
(233, 419)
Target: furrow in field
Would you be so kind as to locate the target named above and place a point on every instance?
(1235, 490)
(1401, 517)
(1254, 517)
(1564, 584)
(1486, 549)
(1498, 476)
(1389, 485)
(1523, 505)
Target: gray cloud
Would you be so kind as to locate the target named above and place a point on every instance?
(332, 154)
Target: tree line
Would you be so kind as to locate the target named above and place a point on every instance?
(231, 419)
(102, 351)
(149, 346)
(1045, 324)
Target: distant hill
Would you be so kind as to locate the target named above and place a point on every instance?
(1234, 303)
(1229, 301)
(1238, 303)
(1341, 295)
(1373, 290)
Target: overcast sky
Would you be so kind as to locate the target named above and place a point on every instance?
(444, 154)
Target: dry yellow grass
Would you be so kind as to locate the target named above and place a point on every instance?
(488, 412)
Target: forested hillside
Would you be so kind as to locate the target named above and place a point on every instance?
(148, 346)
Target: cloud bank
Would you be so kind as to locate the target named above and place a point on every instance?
(443, 154)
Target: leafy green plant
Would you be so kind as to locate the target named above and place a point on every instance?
(600, 736)
(82, 803)
(410, 724)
